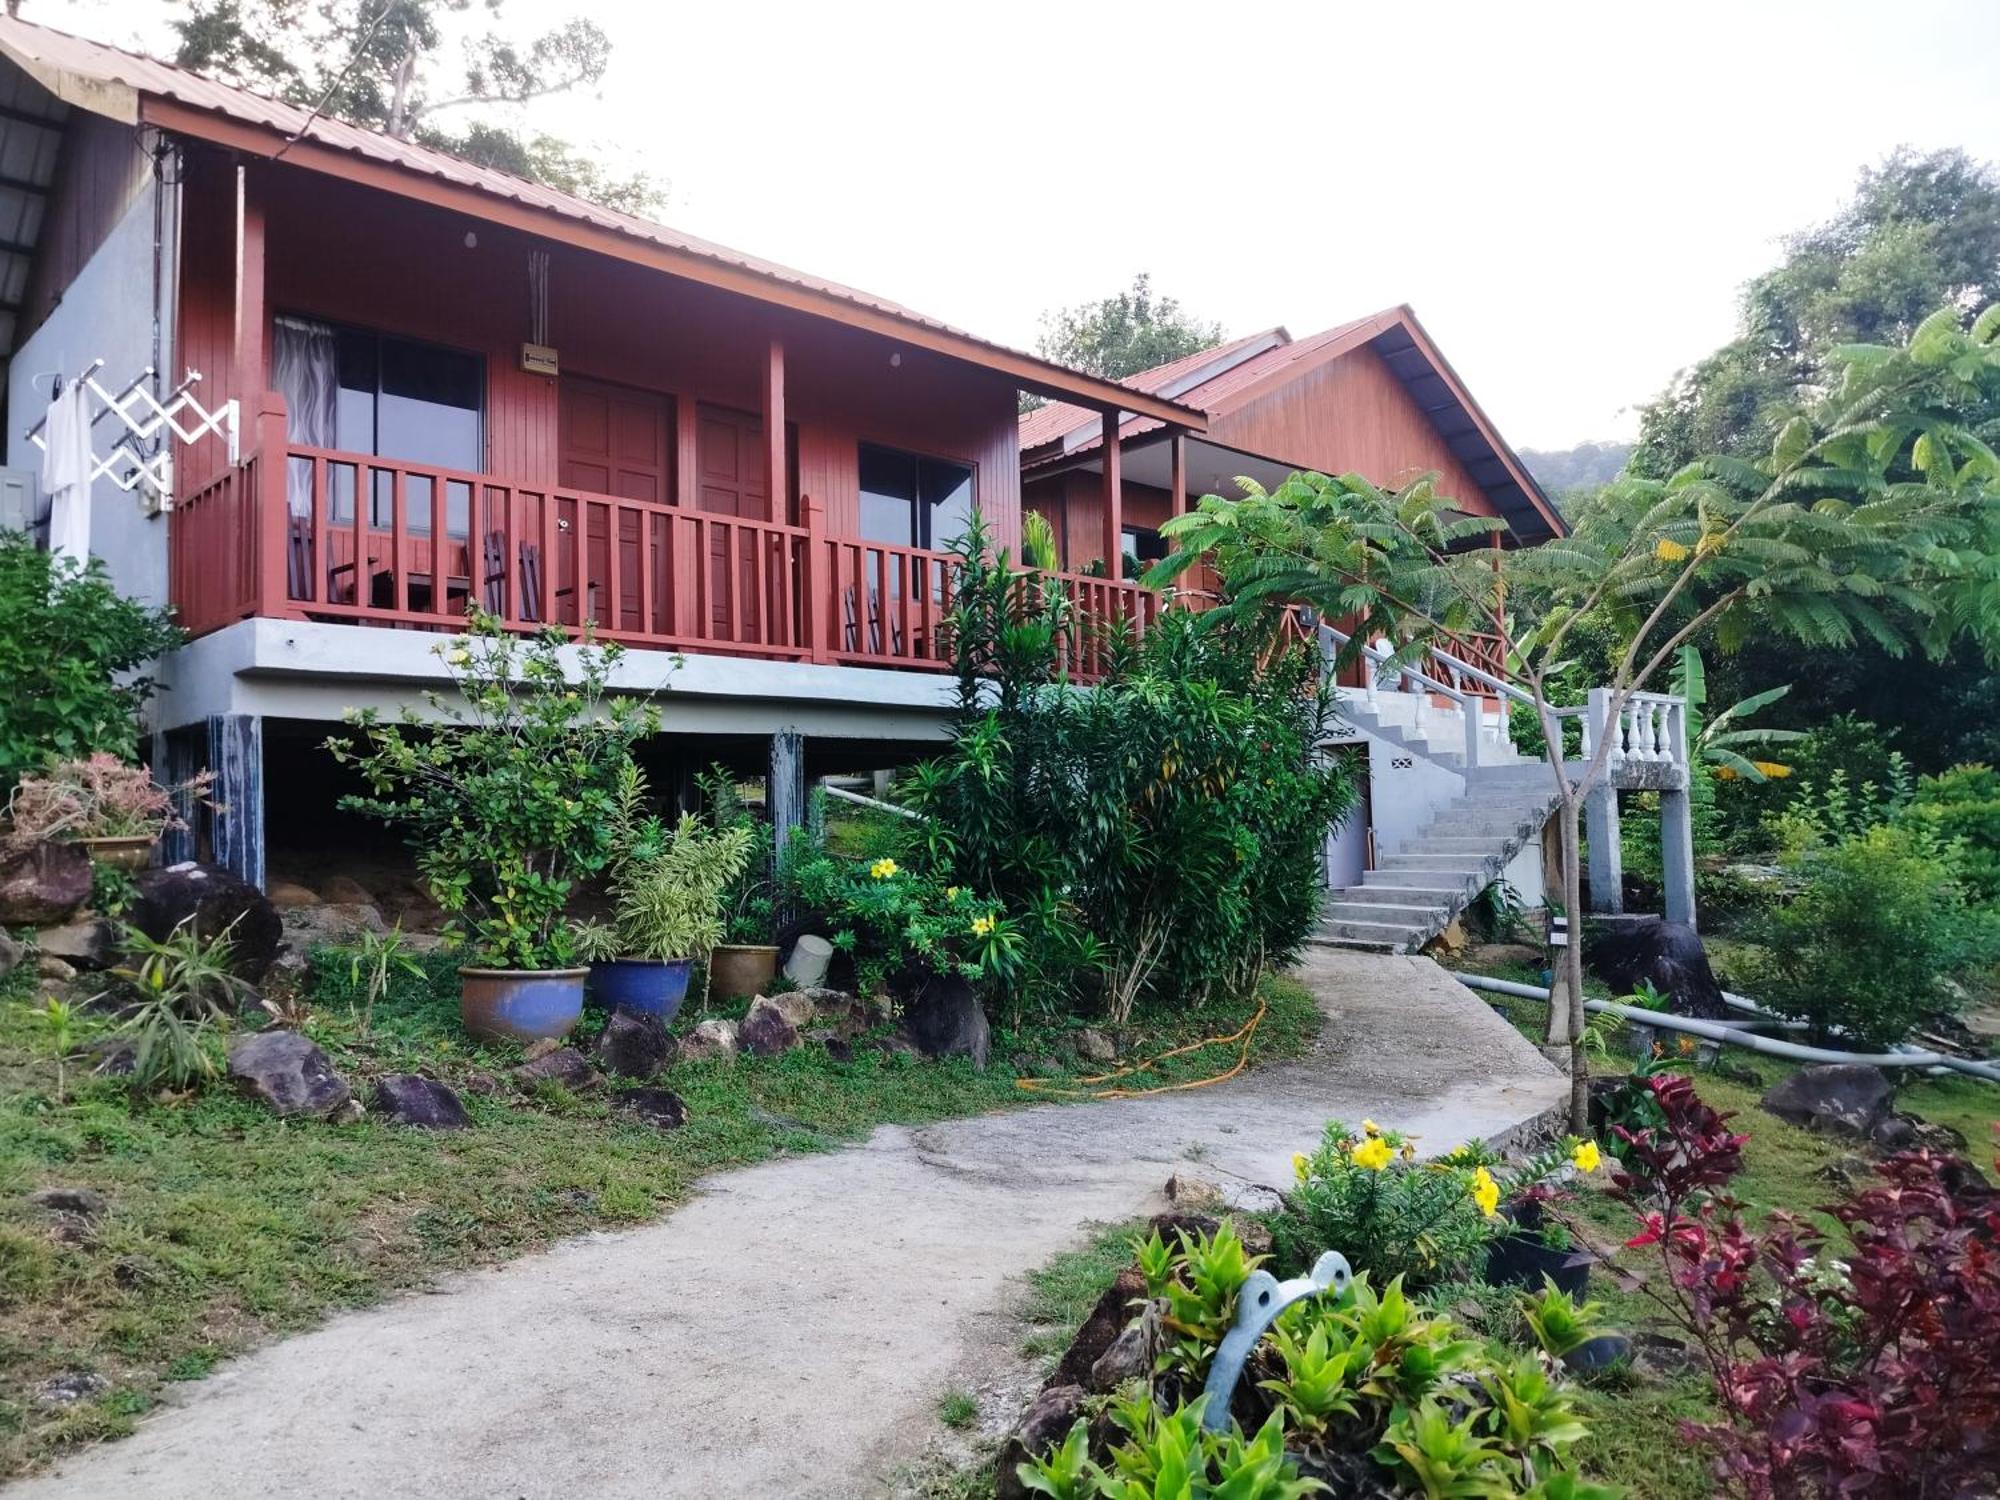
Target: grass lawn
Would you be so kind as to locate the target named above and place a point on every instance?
(226, 1225)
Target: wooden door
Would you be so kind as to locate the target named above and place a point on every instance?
(729, 450)
(613, 440)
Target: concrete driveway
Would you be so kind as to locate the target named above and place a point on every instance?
(789, 1331)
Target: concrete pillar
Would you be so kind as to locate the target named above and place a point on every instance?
(785, 792)
(1677, 857)
(177, 758)
(1607, 865)
(236, 755)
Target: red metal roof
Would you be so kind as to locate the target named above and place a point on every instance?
(110, 81)
(1060, 418)
(1407, 350)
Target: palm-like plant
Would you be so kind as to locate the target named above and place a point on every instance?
(1714, 741)
(178, 989)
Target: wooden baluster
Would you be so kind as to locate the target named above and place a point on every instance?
(614, 564)
(321, 571)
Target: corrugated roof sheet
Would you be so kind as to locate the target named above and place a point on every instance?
(97, 72)
(1060, 418)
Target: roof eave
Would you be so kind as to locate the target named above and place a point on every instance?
(1027, 372)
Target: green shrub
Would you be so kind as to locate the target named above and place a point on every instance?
(1157, 837)
(1963, 805)
(508, 793)
(1364, 1193)
(668, 882)
(69, 646)
(750, 904)
(1880, 923)
(895, 920)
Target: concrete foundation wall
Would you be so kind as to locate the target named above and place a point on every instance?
(106, 313)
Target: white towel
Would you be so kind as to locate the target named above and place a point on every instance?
(66, 465)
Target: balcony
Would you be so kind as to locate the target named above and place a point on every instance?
(312, 533)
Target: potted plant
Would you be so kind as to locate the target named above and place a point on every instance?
(668, 886)
(508, 791)
(116, 811)
(745, 961)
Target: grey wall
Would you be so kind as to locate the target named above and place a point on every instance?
(107, 312)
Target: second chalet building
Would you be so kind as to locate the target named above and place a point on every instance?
(455, 387)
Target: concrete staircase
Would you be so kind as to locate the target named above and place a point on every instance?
(1415, 891)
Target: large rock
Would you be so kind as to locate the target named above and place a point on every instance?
(286, 894)
(945, 1019)
(764, 1031)
(89, 944)
(1839, 1099)
(1043, 1426)
(564, 1065)
(217, 902)
(634, 1045)
(660, 1108)
(1093, 1046)
(43, 884)
(287, 1072)
(11, 953)
(1623, 951)
(1109, 1318)
(711, 1038)
(343, 890)
(410, 1099)
(309, 927)
(796, 1006)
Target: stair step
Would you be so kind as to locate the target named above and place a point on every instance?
(1385, 912)
(1450, 884)
(1394, 936)
(1454, 863)
(1454, 843)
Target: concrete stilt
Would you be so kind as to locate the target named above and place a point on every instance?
(236, 755)
(1677, 857)
(1607, 866)
(785, 792)
(177, 760)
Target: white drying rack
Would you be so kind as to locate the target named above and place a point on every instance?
(143, 416)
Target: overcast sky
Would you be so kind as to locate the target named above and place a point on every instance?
(1569, 195)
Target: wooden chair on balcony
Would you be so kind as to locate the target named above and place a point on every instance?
(494, 583)
(300, 579)
(853, 625)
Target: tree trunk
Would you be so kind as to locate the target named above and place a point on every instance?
(1579, 1061)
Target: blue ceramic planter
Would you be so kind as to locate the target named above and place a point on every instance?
(522, 1004)
(650, 986)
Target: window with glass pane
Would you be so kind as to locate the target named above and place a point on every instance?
(911, 501)
(395, 398)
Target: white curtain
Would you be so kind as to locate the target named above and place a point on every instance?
(305, 369)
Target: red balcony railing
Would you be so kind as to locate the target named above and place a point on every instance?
(328, 535)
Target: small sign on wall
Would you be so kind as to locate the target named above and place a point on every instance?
(539, 359)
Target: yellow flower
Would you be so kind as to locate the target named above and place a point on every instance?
(1486, 1193)
(882, 869)
(1409, 1151)
(1667, 550)
(1301, 1165)
(1586, 1156)
(1369, 1127)
(1373, 1153)
(981, 926)
(951, 892)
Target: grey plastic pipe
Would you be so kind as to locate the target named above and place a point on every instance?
(1736, 1036)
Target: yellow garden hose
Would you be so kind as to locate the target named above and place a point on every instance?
(1243, 1036)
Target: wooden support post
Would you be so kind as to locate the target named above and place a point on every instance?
(818, 586)
(248, 378)
(774, 434)
(1182, 501)
(687, 473)
(785, 791)
(236, 756)
(1114, 501)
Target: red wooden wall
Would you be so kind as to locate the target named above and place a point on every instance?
(338, 251)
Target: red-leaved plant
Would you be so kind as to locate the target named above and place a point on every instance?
(1879, 1374)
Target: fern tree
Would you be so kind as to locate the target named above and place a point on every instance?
(1878, 517)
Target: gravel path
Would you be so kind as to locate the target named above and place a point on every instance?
(789, 1331)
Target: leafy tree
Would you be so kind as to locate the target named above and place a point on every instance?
(1922, 232)
(1884, 499)
(1125, 333)
(389, 65)
(71, 650)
